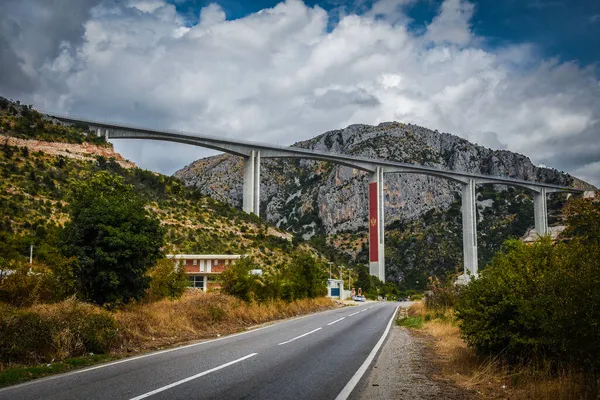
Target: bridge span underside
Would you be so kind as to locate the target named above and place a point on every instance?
(253, 152)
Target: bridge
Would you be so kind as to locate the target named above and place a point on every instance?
(253, 152)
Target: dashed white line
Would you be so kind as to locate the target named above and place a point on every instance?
(337, 320)
(364, 310)
(353, 313)
(162, 389)
(298, 337)
(371, 307)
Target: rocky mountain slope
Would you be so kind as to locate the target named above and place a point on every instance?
(316, 198)
(302, 195)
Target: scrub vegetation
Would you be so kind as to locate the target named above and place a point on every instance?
(49, 338)
(98, 282)
(528, 326)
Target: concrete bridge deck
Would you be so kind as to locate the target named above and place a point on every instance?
(252, 152)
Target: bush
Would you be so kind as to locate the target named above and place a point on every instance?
(441, 297)
(537, 303)
(29, 284)
(166, 281)
(24, 336)
(238, 281)
(506, 310)
(54, 332)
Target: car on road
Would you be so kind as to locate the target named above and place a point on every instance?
(359, 298)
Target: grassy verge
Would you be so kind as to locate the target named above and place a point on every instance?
(54, 338)
(19, 374)
(487, 376)
(410, 322)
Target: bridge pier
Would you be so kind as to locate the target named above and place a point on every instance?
(251, 185)
(376, 224)
(540, 212)
(469, 225)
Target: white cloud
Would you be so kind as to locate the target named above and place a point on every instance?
(281, 76)
(451, 25)
(589, 172)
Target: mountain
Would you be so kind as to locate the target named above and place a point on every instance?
(324, 201)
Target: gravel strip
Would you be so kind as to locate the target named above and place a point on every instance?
(404, 370)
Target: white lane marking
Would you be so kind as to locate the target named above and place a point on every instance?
(347, 390)
(364, 310)
(371, 307)
(301, 336)
(337, 320)
(162, 389)
(353, 313)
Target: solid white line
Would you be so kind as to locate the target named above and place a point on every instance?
(337, 320)
(162, 389)
(353, 313)
(301, 336)
(363, 368)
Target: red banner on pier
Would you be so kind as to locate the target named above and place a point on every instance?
(373, 222)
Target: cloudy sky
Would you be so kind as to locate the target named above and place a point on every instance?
(522, 75)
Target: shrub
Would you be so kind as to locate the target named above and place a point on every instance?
(537, 303)
(166, 281)
(238, 281)
(28, 285)
(506, 309)
(24, 336)
(441, 296)
(54, 331)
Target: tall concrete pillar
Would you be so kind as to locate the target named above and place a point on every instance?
(540, 212)
(469, 225)
(251, 185)
(376, 225)
(257, 183)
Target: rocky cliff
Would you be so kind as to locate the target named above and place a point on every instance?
(312, 197)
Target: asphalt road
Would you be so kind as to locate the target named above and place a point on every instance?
(312, 357)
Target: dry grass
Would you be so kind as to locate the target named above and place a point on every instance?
(200, 315)
(488, 377)
(54, 332)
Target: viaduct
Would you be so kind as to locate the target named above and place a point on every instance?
(253, 152)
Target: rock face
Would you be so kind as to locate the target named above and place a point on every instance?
(313, 197)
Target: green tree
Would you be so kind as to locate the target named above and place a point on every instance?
(238, 281)
(114, 239)
(166, 281)
(541, 302)
(306, 277)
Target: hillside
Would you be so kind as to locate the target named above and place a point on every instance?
(326, 202)
(41, 161)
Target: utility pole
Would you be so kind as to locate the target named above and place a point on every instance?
(350, 279)
(329, 269)
(31, 254)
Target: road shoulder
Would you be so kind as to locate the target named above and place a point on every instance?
(405, 369)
